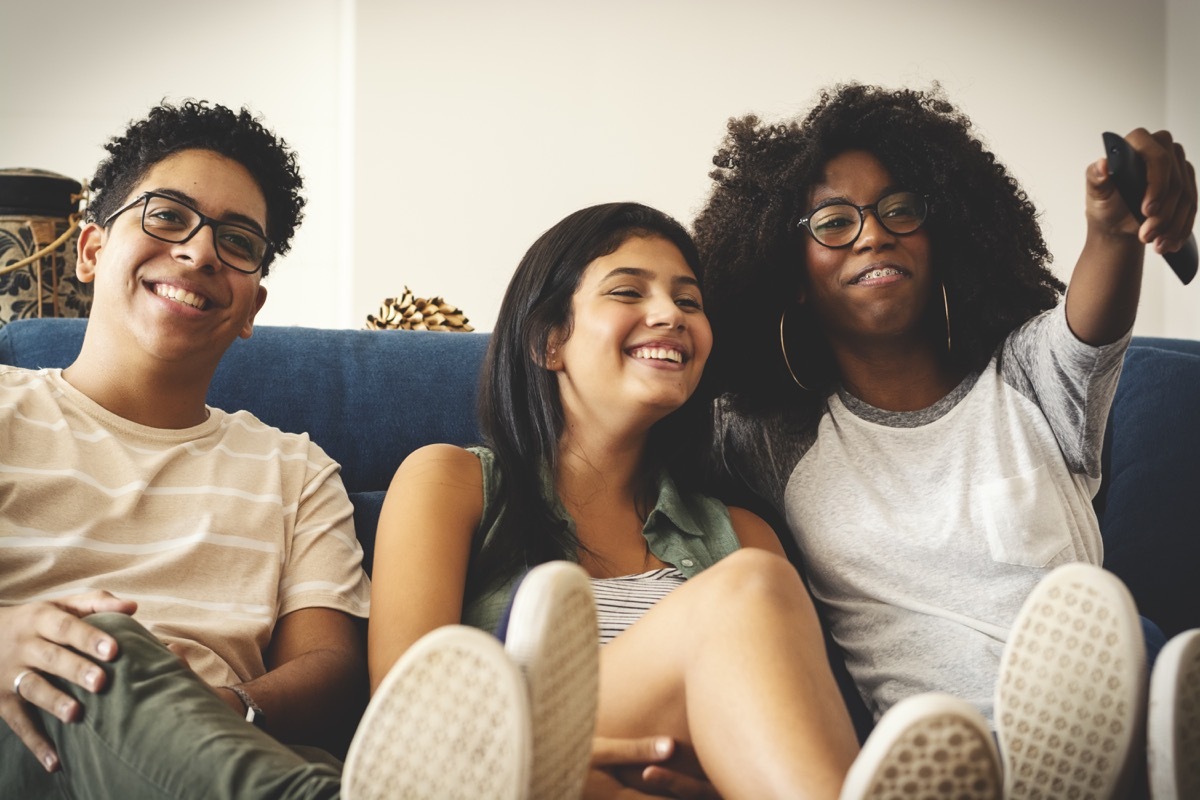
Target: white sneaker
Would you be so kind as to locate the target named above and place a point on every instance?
(552, 635)
(1173, 728)
(927, 746)
(450, 720)
(1070, 698)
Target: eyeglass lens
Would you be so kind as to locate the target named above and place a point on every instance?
(840, 224)
(172, 221)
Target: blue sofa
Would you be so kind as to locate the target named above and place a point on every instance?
(372, 397)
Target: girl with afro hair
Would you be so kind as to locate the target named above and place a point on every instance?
(901, 379)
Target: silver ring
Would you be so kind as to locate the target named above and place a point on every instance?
(17, 681)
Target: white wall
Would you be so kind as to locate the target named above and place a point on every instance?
(1174, 308)
(485, 123)
(73, 74)
(439, 139)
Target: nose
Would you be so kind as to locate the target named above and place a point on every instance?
(199, 250)
(873, 233)
(662, 312)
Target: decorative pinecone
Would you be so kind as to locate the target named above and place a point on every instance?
(417, 314)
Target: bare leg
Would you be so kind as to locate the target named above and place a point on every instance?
(734, 662)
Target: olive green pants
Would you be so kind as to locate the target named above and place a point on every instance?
(156, 731)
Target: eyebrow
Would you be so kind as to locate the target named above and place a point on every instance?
(231, 216)
(638, 272)
(838, 199)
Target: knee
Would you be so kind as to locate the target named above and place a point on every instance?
(753, 563)
(755, 577)
(113, 622)
(121, 627)
(139, 651)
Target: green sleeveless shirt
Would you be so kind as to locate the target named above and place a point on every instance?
(689, 531)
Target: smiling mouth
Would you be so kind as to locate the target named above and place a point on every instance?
(658, 354)
(181, 296)
(880, 272)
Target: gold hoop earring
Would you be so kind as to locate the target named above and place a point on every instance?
(946, 306)
(783, 349)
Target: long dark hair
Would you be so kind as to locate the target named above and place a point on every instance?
(987, 247)
(520, 411)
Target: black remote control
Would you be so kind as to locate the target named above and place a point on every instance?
(1128, 171)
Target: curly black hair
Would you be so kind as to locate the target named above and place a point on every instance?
(197, 125)
(986, 244)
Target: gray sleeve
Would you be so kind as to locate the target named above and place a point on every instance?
(1070, 381)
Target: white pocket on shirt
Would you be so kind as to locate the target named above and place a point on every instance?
(1025, 519)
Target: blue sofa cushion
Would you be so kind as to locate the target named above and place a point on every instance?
(1151, 512)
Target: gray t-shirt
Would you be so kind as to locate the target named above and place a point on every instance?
(923, 532)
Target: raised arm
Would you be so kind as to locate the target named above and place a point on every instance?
(432, 510)
(1106, 283)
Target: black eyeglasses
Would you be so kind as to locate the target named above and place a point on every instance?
(170, 220)
(839, 224)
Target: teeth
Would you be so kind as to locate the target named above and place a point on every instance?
(180, 295)
(658, 354)
(879, 273)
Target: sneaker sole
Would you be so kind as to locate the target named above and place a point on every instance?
(450, 720)
(553, 637)
(1173, 729)
(1070, 700)
(927, 746)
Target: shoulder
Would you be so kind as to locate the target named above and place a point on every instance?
(9, 372)
(242, 431)
(753, 531)
(19, 385)
(439, 482)
(42, 399)
(442, 456)
(1045, 351)
(29, 402)
(443, 464)
(22, 379)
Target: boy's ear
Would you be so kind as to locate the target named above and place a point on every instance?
(248, 328)
(91, 241)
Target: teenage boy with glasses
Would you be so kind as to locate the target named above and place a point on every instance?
(178, 582)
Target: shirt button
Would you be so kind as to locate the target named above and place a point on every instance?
(687, 562)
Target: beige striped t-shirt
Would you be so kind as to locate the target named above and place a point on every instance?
(216, 531)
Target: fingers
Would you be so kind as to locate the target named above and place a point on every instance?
(619, 752)
(59, 638)
(27, 729)
(601, 785)
(42, 640)
(678, 785)
(35, 689)
(96, 603)
(639, 764)
(1169, 204)
(1184, 218)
